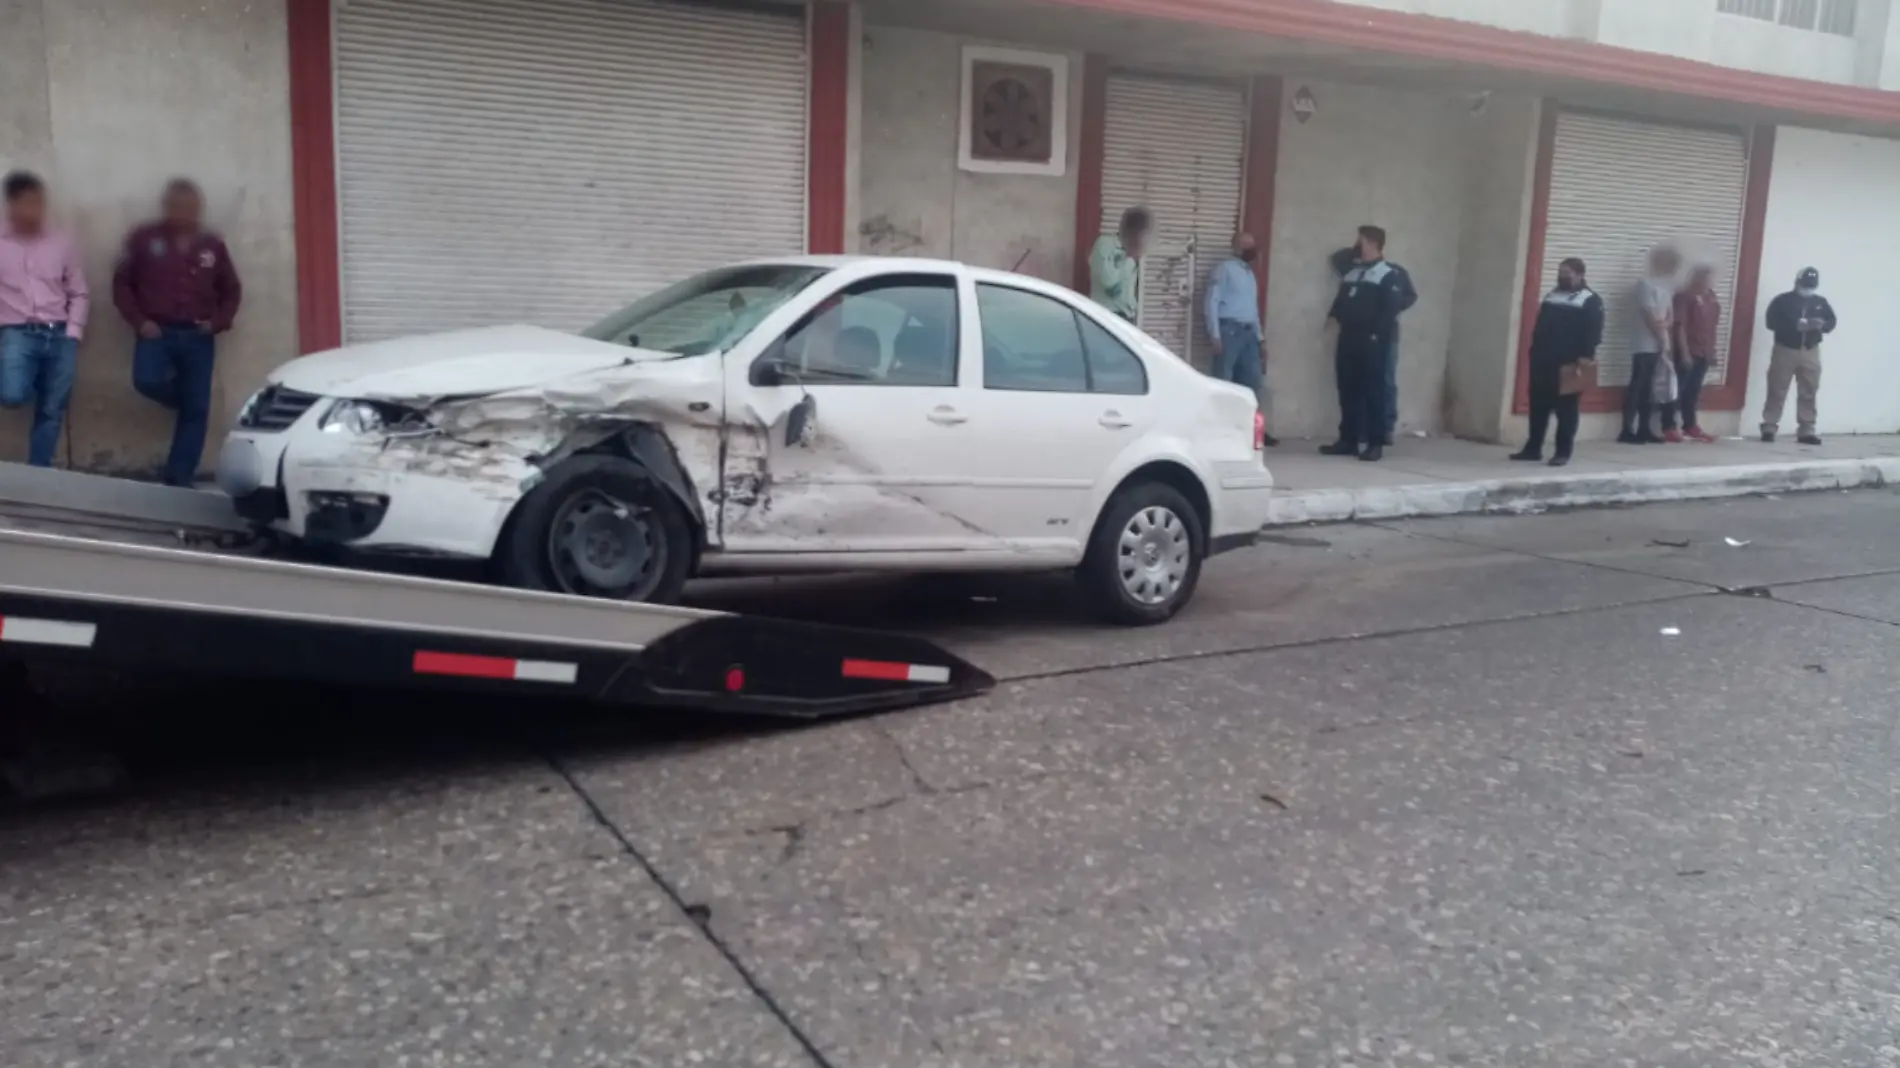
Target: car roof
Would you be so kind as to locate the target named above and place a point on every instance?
(900, 264)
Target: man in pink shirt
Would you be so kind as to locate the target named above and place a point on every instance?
(43, 303)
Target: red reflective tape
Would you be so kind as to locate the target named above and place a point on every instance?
(882, 670)
(888, 671)
(464, 665)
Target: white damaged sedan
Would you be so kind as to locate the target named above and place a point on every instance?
(812, 413)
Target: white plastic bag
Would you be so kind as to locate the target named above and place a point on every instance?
(1665, 381)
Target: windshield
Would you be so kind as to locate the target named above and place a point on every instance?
(706, 313)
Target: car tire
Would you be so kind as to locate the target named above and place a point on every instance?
(1128, 561)
(598, 526)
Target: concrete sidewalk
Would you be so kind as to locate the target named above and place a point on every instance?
(1445, 476)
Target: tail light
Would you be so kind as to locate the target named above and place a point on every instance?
(1259, 430)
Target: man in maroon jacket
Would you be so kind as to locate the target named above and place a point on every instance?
(177, 286)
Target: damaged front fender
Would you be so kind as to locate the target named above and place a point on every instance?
(664, 415)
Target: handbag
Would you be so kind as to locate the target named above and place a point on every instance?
(1573, 376)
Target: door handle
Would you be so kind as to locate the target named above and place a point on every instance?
(1114, 421)
(947, 416)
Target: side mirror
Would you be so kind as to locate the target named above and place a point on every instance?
(801, 423)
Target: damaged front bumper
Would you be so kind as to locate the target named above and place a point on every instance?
(433, 496)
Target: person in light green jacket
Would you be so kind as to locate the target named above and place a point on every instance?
(1115, 265)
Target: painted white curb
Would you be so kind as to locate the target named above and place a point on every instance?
(1530, 495)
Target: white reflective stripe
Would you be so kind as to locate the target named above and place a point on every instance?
(47, 632)
(929, 673)
(545, 671)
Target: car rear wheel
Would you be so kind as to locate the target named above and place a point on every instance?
(1144, 558)
(599, 526)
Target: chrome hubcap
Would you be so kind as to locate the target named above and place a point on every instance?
(1154, 555)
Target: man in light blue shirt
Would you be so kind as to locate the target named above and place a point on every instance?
(1233, 317)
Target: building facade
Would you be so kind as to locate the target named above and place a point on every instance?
(388, 166)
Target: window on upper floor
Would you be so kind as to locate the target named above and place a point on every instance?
(1826, 16)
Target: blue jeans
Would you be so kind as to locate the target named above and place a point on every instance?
(37, 363)
(174, 369)
(1239, 358)
(1392, 389)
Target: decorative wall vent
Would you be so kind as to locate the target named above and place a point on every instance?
(1014, 115)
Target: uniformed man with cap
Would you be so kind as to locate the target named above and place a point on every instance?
(1799, 319)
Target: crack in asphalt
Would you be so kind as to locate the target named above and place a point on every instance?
(919, 786)
(1760, 591)
(1750, 590)
(1341, 639)
(922, 785)
(696, 914)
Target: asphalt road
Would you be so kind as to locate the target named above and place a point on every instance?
(1589, 789)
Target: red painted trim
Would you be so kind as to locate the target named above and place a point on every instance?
(463, 665)
(1088, 165)
(1534, 253)
(1266, 95)
(881, 670)
(313, 175)
(1458, 42)
(829, 100)
(1733, 392)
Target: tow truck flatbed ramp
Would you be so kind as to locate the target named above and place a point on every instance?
(103, 598)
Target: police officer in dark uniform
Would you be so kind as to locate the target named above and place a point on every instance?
(1569, 329)
(1366, 309)
(1344, 260)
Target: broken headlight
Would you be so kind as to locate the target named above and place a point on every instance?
(250, 407)
(373, 417)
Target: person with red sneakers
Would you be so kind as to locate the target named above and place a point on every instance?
(1697, 321)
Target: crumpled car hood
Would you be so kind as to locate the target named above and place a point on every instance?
(463, 363)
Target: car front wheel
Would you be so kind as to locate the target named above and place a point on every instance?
(1144, 558)
(599, 526)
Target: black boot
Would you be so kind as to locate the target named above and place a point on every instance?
(1560, 460)
(1528, 455)
(1768, 437)
(1373, 454)
(1808, 439)
(1340, 448)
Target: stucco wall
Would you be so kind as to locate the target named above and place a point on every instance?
(913, 200)
(1770, 48)
(1391, 158)
(1816, 173)
(107, 99)
(1687, 29)
(1480, 365)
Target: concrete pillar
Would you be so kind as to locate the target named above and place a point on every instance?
(1481, 364)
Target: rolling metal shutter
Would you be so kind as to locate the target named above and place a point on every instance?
(548, 161)
(1620, 187)
(1177, 148)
